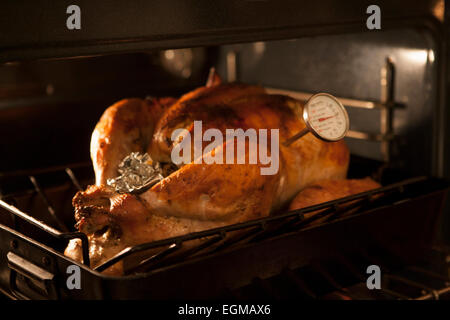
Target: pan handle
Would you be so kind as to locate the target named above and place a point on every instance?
(39, 281)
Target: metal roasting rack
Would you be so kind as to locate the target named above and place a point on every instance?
(63, 235)
(174, 251)
(220, 238)
(255, 229)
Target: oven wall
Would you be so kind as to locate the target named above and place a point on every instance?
(350, 66)
(49, 107)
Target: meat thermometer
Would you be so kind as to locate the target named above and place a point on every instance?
(325, 117)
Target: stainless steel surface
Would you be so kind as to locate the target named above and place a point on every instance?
(349, 66)
(138, 26)
(304, 96)
(387, 98)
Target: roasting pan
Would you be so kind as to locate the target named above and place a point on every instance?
(400, 217)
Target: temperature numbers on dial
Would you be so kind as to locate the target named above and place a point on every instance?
(327, 117)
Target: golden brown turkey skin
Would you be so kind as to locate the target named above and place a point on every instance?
(202, 196)
(329, 190)
(215, 191)
(211, 105)
(115, 221)
(125, 127)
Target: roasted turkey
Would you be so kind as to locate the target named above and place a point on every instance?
(195, 197)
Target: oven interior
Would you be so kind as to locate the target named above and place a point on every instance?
(49, 108)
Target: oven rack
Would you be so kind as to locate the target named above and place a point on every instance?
(342, 278)
(214, 240)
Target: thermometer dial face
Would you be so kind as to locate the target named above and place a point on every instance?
(326, 117)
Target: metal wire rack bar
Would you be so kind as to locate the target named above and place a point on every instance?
(261, 223)
(52, 231)
(386, 292)
(351, 291)
(429, 273)
(435, 294)
(48, 204)
(298, 281)
(74, 179)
